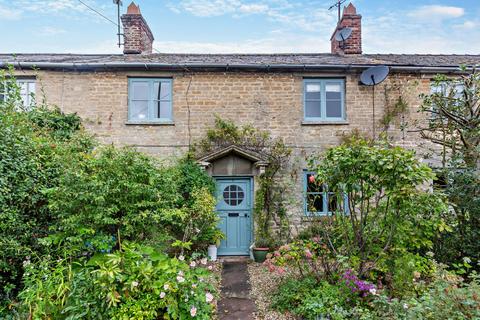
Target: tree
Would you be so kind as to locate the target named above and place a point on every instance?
(454, 125)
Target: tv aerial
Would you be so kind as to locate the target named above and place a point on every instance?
(372, 77)
(338, 5)
(119, 33)
(342, 35)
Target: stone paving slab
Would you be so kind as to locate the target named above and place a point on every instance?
(235, 302)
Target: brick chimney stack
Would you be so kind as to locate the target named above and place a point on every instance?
(353, 45)
(138, 37)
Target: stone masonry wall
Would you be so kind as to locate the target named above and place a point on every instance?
(269, 101)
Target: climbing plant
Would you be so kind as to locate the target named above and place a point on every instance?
(271, 196)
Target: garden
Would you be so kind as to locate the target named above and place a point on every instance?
(393, 246)
(98, 232)
(90, 231)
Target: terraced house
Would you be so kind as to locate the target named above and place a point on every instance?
(162, 103)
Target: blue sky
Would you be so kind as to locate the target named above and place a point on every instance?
(242, 26)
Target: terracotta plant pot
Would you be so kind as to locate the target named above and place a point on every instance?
(260, 254)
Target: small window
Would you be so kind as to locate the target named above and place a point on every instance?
(318, 201)
(150, 100)
(444, 89)
(324, 99)
(26, 89)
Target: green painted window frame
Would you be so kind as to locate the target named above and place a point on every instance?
(325, 198)
(323, 99)
(151, 100)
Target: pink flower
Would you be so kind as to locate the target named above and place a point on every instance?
(277, 254)
(311, 179)
(308, 254)
(193, 264)
(193, 311)
(162, 295)
(281, 271)
(210, 267)
(180, 279)
(209, 297)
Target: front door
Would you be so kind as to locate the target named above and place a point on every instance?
(234, 206)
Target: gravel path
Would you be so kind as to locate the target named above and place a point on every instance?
(263, 284)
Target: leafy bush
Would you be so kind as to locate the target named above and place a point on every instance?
(387, 210)
(291, 293)
(32, 158)
(136, 282)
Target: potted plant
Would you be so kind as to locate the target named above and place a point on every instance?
(260, 249)
(215, 236)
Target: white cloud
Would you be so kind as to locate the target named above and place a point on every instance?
(467, 25)
(437, 12)
(253, 8)
(206, 8)
(50, 31)
(9, 14)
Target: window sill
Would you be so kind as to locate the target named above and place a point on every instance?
(150, 123)
(326, 122)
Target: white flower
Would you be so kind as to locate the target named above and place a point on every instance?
(405, 306)
(166, 286)
(180, 279)
(162, 294)
(467, 260)
(181, 258)
(193, 264)
(210, 267)
(204, 261)
(430, 254)
(194, 285)
(180, 273)
(134, 284)
(373, 291)
(193, 311)
(209, 297)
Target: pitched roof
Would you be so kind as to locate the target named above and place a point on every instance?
(238, 61)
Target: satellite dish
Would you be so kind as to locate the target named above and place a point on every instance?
(343, 34)
(374, 75)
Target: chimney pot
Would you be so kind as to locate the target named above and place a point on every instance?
(350, 19)
(137, 36)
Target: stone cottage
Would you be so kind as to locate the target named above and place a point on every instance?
(161, 103)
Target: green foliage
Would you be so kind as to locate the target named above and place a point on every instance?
(136, 282)
(454, 128)
(32, 158)
(291, 293)
(385, 201)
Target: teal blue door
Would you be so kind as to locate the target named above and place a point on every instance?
(234, 206)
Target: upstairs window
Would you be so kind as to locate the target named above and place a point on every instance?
(26, 89)
(150, 100)
(318, 201)
(324, 99)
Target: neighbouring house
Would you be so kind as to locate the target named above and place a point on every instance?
(161, 103)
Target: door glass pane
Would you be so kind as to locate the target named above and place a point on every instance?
(334, 109)
(140, 90)
(312, 109)
(233, 195)
(139, 110)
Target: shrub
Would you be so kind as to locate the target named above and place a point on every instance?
(385, 205)
(32, 158)
(291, 293)
(136, 282)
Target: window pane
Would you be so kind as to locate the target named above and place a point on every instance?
(162, 91)
(334, 109)
(313, 186)
(163, 109)
(312, 109)
(140, 91)
(333, 91)
(139, 110)
(312, 91)
(315, 203)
